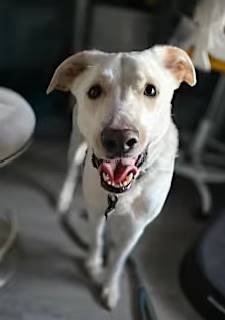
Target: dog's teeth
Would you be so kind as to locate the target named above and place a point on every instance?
(129, 177)
(106, 177)
(113, 184)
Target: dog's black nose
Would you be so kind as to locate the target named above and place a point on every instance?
(118, 142)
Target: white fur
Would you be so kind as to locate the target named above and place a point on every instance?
(123, 77)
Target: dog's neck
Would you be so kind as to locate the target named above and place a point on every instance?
(154, 150)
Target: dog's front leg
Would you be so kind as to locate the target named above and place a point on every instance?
(95, 202)
(94, 260)
(128, 239)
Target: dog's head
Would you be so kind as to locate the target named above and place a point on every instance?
(124, 104)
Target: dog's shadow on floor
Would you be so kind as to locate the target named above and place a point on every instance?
(47, 262)
(83, 279)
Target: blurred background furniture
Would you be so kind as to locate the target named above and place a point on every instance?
(202, 158)
(17, 123)
(37, 36)
(202, 271)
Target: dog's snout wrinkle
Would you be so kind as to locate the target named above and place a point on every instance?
(119, 142)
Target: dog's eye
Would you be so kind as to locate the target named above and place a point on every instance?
(150, 90)
(95, 91)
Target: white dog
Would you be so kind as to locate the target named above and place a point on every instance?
(124, 115)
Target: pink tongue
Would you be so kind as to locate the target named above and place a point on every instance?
(118, 170)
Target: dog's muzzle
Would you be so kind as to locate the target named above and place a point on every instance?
(118, 175)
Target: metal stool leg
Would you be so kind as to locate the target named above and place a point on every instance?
(205, 197)
(196, 169)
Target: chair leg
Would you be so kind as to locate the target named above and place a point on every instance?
(206, 202)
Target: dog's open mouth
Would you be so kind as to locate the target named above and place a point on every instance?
(118, 175)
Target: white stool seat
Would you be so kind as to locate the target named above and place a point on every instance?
(17, 123)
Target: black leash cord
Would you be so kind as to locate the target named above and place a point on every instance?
(112, 201)
(144, 306)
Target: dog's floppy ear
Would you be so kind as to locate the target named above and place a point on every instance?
(68, 70)
(178, 62)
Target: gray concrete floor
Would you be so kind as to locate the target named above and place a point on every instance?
(47, 278)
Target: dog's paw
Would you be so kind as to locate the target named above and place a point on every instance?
(64, 201)
(110, 296)
(94, 268)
